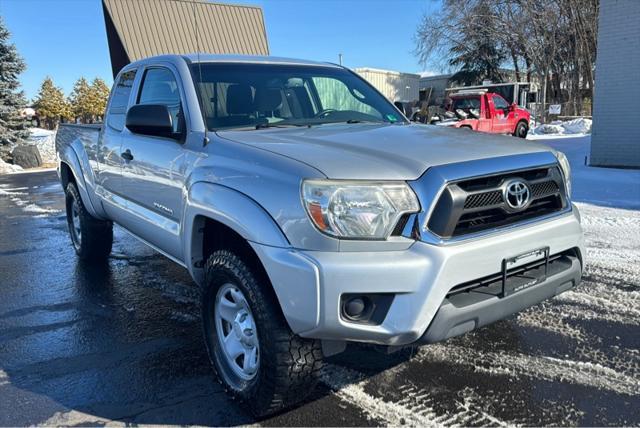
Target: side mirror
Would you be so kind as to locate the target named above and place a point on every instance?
(150, 119)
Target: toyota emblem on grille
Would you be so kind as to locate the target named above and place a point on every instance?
(517, 194)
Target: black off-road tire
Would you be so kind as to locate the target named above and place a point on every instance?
(96, 236)
(521, 130)
(289, 365)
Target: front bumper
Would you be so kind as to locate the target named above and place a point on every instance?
(309, 284)
(463, 312)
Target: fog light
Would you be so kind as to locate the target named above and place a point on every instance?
(370, 308)
(355, 307)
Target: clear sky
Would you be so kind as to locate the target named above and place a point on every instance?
(66, 39)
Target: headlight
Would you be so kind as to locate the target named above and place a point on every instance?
(357, 209)
(566, 170)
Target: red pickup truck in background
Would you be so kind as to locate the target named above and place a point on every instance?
(486, 112)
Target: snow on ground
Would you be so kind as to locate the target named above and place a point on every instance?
(6, 168)
(46, 142)
(579, 126)
(612, 187)
(19, 197)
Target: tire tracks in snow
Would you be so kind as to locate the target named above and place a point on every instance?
(415, 409)
(547, 368)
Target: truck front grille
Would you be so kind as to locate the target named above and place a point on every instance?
(485, 199)
(476, 204)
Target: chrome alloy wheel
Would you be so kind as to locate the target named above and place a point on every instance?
(236, 331)
(76, 230)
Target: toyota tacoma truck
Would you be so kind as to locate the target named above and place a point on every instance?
(312, 213)
(486, 112)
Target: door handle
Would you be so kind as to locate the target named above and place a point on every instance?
(126, 155)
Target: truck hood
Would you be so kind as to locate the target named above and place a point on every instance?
(380, 151)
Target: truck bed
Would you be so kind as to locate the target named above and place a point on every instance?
(87, 135)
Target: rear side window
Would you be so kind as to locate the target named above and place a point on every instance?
(466, 104)
(160, 87)
(120, 100)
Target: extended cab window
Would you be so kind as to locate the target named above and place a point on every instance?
(120, 100)
(160, 87)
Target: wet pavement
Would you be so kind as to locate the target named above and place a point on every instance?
(121, 342)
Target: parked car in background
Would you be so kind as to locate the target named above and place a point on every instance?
(311, 213)
(486, 112)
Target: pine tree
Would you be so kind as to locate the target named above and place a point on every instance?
(99, 95)
(478, 60)
(479, 56)
(51, 104)
(13, 127)
(80, 100)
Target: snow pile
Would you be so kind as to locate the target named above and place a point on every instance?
(6, 168)
(549, 128)
(577, 126)
(569, 127)
(45, 140)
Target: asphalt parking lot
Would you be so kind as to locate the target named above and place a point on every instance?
(121, 343)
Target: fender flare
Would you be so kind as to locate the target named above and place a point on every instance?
(206, 200)
(69, 156)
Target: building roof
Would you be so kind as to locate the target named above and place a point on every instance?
(381, 71)
(435, 77)
(140, 29)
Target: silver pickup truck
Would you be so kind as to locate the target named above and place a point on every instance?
(311, 213)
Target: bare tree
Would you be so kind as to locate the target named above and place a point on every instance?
(555, 40)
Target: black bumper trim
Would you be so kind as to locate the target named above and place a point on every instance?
(467, 311)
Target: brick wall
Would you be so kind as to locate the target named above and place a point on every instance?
(615, 137)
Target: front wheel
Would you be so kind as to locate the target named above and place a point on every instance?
(521, 130)
(257, 357)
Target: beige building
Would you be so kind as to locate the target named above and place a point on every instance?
(394, 85)
(138, 29)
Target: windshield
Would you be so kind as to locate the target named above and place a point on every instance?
(254, 96)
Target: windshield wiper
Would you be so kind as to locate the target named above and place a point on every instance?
(364, 121)
(277, 125)
(350, 121)
(310, 124)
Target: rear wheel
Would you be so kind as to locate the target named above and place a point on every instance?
(91, 238)
(256, 356)
(521, 130)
